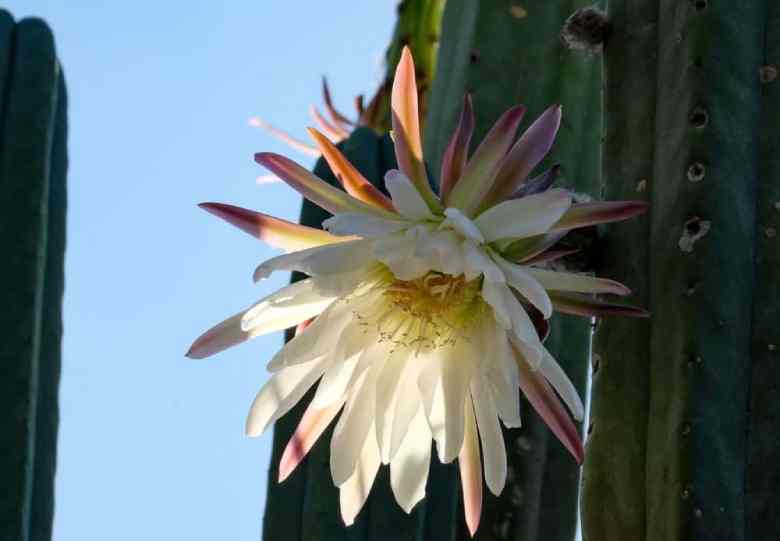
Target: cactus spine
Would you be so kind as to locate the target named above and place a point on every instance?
(503, 54)
(32, 225)
(666, 457)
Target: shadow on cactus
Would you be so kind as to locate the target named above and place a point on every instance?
(405, 296)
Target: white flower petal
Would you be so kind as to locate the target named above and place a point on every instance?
(329, 259)
(524, 217)
(493, 450)
(529, 287)
(443, 384)
(356, 422)
(440, 251)
(407, 408)
(510, 314)
(286, 308)
(409, 468)
(432, 396)
(282, 392)
(320, 337)
(477, 263)
(363, 225)
(354, 492)
(463, 225)
(406, 199)
(334, 382)
(553, 373)
(503, 378)
(388, 390)
(397, 251)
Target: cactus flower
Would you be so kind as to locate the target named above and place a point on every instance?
(424, 313)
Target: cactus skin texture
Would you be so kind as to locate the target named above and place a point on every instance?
(505, 53)
(33, 165)
(763, 476)
(666, 458)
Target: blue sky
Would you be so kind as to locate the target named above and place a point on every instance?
(151, 443)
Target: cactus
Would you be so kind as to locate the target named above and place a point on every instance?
(33, 163)
(763, 474)
(666, 458)
(478, 38)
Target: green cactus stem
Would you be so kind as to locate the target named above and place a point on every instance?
(763, 475)
(666, 455)
(32, 211)
(505, 53)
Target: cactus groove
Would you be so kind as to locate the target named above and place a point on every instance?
(32, 211)
(682, 110)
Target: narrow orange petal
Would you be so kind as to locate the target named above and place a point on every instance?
(312, 425)
(406, 129)
(314, 188)
(353, 181)
(278, 233)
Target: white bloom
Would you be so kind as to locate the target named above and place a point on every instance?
(421, 310)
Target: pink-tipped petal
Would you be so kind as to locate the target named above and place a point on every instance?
(480, 171)
(335, 132)
(470, 463)
(314, 188)
(599, 212)
(525, 249)
(549, 255)
(456, 156)
(284, 137)
(353, 181)
(302, 326)
(526, 154)
(406, 129)
(585, 305)
(538, 184)
(312, 425)
(549, 407)
(334, 113)
(278, 233)
(577, 283)
(219, 338)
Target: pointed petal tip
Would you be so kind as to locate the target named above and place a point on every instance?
(198, 350)
(263, 157)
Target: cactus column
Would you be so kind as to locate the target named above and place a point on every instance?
(666, 456)
(32, 227)
(763, 476)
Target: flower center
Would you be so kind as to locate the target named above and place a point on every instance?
(433, 311)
